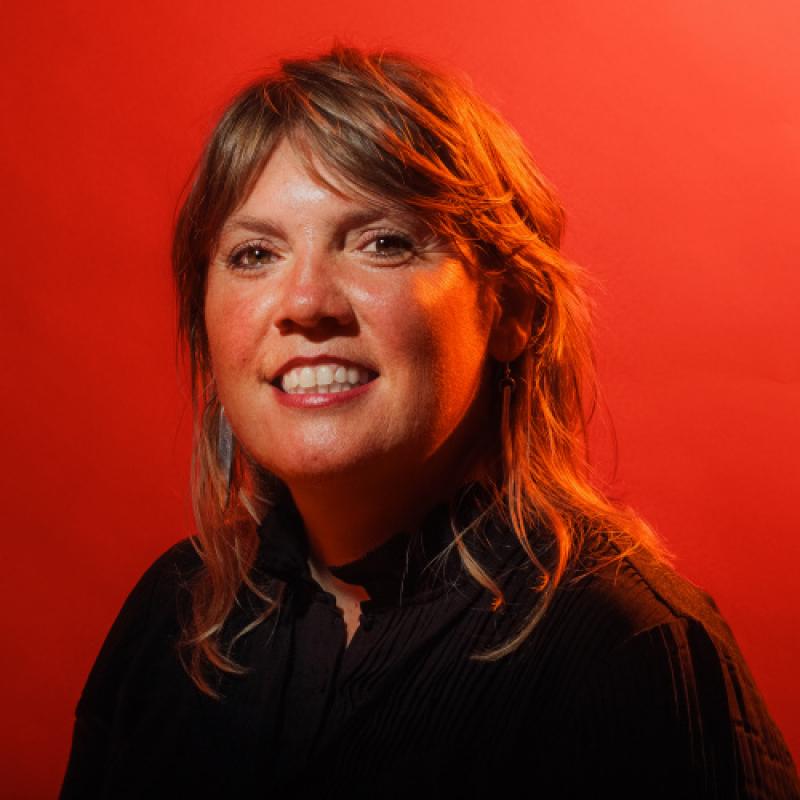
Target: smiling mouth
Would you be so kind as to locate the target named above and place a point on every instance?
(335, 387)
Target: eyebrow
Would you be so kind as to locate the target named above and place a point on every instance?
(352, 219)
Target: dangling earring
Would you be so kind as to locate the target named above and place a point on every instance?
(506, 386)
(225, 451)
(507, 382)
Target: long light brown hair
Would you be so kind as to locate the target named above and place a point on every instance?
(393, 126)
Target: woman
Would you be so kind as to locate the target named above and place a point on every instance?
(403, 580)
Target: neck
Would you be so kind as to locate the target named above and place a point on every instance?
(342, 524)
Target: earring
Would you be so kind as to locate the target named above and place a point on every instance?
(506, 386)
(225, 450)
(507, 381)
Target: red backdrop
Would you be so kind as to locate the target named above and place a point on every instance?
(672, 131)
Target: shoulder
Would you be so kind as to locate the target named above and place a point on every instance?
(641, 581)
(161, 582)
(177, 562)
(630, 594)
(135, 662)
(646, 617)
(149, 617)
(665, 695)
(174, 568)
(601, 605)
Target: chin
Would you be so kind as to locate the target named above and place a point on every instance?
(319, 468)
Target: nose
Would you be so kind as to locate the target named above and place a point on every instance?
(311, 294)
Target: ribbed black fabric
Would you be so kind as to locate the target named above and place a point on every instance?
(631, 686)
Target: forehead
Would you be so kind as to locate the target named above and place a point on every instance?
(300, 185)
(287, 178)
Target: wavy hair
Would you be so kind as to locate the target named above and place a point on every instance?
(394, 126)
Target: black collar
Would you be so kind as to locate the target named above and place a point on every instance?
(397, 572)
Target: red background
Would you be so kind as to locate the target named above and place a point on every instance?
(672, 132)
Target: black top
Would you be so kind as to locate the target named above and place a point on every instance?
(631, 685)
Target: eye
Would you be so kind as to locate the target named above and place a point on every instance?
(250, 256)
(390, 246)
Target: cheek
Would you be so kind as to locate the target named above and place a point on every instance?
(408, 325)
(233, 331)
(435, 327)
(449, 313)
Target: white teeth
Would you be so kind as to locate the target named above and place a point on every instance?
(323, 379)
(307, 377)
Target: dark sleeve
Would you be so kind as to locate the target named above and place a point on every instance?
(674, 712)
(96, 708)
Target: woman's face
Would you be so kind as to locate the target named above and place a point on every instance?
(301, 271)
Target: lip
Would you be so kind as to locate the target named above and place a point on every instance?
(321, 400)
(323, 358)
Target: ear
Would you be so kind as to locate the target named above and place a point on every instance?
(513, 323)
